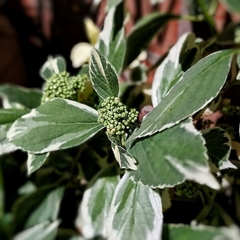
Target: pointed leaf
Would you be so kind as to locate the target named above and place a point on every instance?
(184, 53)
(42, 231)
(29, 202)
(135, 213)
(53, 66)
(57, 124)
(95, 204)
(112, 3)
(5, 145)
(198, 86)
(35, 161)
(7, 117)
(143, 32)
(125, 160)
(48, 209)
(103, 76)
(10, 115)
(185, 232)
(172, 156)
(111, 39)
(15, 95)
(218, 144)
(233, 5)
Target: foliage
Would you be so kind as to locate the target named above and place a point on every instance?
(78, 162)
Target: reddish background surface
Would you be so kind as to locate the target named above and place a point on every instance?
(30, 30)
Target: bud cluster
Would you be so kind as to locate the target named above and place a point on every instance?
(60, 85)
(115, 116)
(188, 189)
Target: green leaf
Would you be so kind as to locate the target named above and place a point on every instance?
(42, 231)
(184, 53)
(232, 5)
(103, 76)
(135, 212)
(218, 144)
(6, 226)
(125, 160)
(52, 66)
(168, 158)
(96, 203)
(112, 41)
(47, 210)
(5, 145)
(143, 32)
(185, 232)
(10, 115)
(113, 3)
(16, 96)
(35, 161)
(57, 124)
(29, 203)
(198, 86)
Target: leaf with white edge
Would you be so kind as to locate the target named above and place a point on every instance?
(93, 211)
(198, 86)
(226, 164)
(5, 145)
(56, 124)
(125, 160)
(168, 158)
(145, 29)
(135, 212)
(103, 76)
(218, 144)
(232, 5)
(186, 232)
(35, 161)
(42, 231)
(48, 209)
(7, 117)
(13, 96)
(112, 41)
(52, 66)
(179, 58)
(10, 115)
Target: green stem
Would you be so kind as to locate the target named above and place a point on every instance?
(207, 15)
(207, 208)
(227, 219)
(213, 7)
(192, 18)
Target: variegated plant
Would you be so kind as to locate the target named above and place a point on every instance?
(144, 160)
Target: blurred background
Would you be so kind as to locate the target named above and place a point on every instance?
(32, 30)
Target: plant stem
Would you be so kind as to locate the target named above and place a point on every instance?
(207, 15)
(193, 18)
(227, 219)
